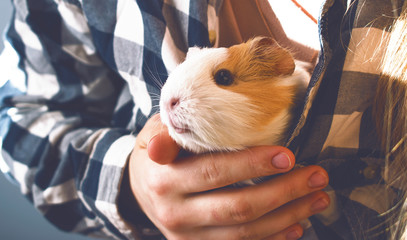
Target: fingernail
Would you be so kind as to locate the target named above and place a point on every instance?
(281, 161)
(317, 180)
(293, 235)
(319, 205)
(152, 137)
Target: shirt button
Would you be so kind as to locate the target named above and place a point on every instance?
(212, 37)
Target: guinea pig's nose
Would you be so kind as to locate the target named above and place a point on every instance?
(174, 102)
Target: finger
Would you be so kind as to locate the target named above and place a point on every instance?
(152, 127)
(162, 148)
(236, 206)
(252, 202)
(278, 224)
(291, 233)
(215, 170)
(289, 215)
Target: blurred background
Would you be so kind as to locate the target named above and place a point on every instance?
(18, 218)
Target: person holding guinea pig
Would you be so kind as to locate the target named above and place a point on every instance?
(83, 139)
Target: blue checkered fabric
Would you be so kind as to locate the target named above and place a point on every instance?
(81, 77)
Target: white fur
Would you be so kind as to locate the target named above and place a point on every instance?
(216, 119)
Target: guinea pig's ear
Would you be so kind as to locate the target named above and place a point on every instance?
(279, 59)
(192, 51)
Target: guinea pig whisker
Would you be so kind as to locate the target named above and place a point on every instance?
(155, 76)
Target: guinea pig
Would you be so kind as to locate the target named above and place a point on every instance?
(227, 99)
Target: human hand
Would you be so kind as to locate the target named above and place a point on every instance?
(185, 198)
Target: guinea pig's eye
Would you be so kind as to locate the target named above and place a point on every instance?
(223, 77)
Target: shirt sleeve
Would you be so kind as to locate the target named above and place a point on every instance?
(57, 100)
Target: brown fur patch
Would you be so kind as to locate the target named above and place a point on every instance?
(256, 65)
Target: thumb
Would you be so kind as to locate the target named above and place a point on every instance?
(161, 148)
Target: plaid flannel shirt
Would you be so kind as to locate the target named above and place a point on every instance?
(81, 77)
